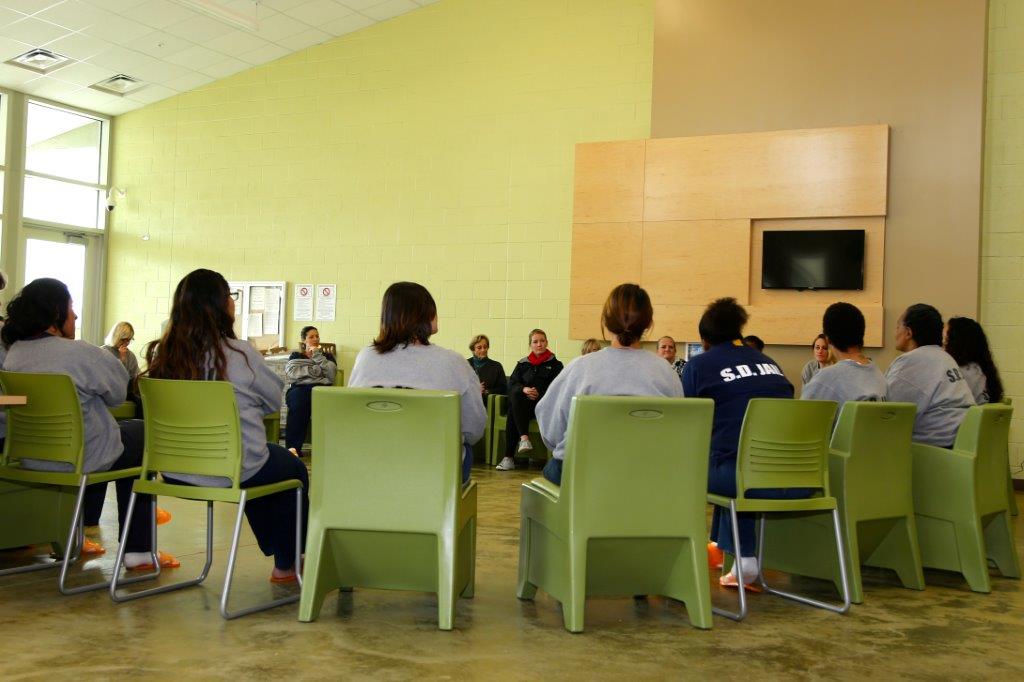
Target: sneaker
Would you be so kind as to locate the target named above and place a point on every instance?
(524, 445)
(506, 464)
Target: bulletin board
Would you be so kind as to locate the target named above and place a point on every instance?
(260, 312)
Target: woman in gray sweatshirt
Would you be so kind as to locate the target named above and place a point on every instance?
(199, 344)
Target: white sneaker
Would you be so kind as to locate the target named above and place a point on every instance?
(524, 445)
(506, 464)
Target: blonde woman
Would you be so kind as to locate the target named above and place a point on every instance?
(590, 346)
(117, 342)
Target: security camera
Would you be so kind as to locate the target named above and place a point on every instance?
(114, 196)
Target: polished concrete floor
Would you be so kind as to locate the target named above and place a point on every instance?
(945, 632)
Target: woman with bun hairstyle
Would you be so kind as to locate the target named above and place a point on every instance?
(623, 368)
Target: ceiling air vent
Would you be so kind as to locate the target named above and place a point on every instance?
(40, 60)
(119, 85)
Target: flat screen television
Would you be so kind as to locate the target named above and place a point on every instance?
(812, 259)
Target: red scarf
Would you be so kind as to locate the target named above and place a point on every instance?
(540, 359)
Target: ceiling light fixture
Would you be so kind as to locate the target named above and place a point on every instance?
(240, 13)
(119, 85)
(40, 60)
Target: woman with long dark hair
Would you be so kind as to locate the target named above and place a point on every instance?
(40, 337)
(402, 356)
(965, 340)
(200, 344)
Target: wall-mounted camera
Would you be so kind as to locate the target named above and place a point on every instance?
(114, 197)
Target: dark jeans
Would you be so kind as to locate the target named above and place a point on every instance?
(139, 537)
(300, 407)
(553, 471)
(467, 461)
(722, 481)
(521, 411)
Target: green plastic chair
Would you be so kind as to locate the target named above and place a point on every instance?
(1011, 492)
(192, 427)
(629, 517)
(272, 425)
(125, 410)
(784, 444)
(46, 506)
(387, 507)
(961, 501)
(870, 476)
(497, 423)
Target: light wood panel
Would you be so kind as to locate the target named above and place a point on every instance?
(691, 262)
(781, 174)
(798, 325)
(609, 182)
(604, 255)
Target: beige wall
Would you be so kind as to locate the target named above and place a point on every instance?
(726, 66)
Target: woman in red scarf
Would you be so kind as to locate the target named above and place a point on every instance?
(530, 380)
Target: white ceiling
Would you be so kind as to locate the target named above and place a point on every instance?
(168, 44)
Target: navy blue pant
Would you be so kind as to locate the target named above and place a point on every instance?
(521, 411)
(467, 461)
(139, 537)
(553, 471)
(299, 399)
(722, 481)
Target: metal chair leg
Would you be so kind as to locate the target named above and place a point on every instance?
(844, 580)
(225, 595)
(738, 563)
(117, 581)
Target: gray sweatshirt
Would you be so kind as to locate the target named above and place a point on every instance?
(425, 367)
(977, 381)
(610, 371)
(257, 393)
(929, 377)
(318, 370)
(846, 380)
(101, 381)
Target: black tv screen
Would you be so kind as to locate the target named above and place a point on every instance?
(813, 259)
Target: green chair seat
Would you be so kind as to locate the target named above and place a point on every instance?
(629, 516)
(125, 410)
(387, 507)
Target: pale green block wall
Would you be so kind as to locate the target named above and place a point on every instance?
(1002, 268)
(435, 147)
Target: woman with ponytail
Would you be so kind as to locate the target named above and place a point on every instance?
(621, 369)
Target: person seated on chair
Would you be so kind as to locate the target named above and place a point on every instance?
(621, 369)
(822, 358)
(308, 367)
(965, 340)
(731, 373)
(199, 344)
(40, 337)
(754, 342)
(667, 350)
(928, 376)
(490, 372)
(854, 376)
(402, 357)
(527, 385)
(590, 346)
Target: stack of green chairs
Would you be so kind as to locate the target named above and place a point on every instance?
(192, 427)
(960, 496)
(46, 506)
(387, 506)
(629, 517)
(784, 444)
(497, 421)
(870, 476)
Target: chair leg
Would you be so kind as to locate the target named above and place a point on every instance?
(469, 591)
(446, 596)
(576, 600)
(313, 589)
(117, 582)
(970, 540)
(908, 564)
(525, 589)
(689, 584)
(226, 594)
(852, 562)
(741, 587)
(840, 558)
(999, 545)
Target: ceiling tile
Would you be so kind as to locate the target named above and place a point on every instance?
(390, 9)
(282, 5)
(152, 93)
(116, 106)
(29, 6)
(307, 38)
(196, 57)
(114, 5)
(122, 60)
(14, 77)
(10, 47)
(278, 26)
(158, 44)
(117, 29)
(225, 68)
(82, 74)
(262, 55)
(79, 46)
(158, 71)
(189, 81)
(318, 12)
(424, 3)
(236, 42)
(33, 31)
(159, 13)
(360, 5)
(8, 16)
(200, 29)
(352, 22)
(73, 15)
(50, 88)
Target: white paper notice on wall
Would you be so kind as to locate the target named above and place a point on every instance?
(326, 297)
(303, 303)
(258, 300)
(255, 326)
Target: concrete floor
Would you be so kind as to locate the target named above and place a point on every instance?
(944, 632)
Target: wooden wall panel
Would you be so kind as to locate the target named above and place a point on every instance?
(798, 325)
(782, 174)
(692, 262)
(609, 182)
(604, 255)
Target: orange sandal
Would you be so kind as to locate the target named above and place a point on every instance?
(284, 579)
(162, 516)
(729, 580)
(166, 561)
(92, 548)
(716, 557)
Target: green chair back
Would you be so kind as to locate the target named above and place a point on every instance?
(985, 431)
(783, 444)
(192, 427)
(49, 427)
